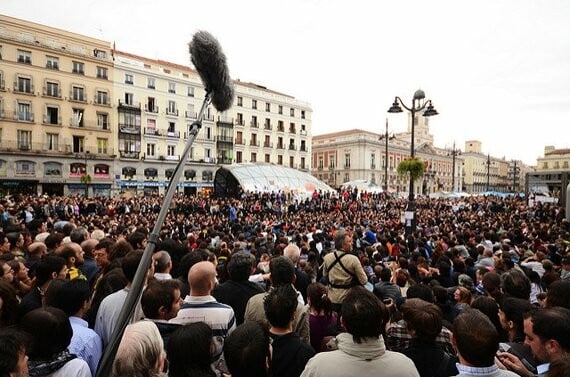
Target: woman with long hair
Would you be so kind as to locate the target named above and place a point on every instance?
(322, 319)
(189, 351)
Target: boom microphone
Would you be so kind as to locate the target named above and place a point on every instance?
(210, 62)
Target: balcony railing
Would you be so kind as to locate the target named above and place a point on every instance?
(267, 144)
(151, 131)
(267, 126)
(127, 154)
(49, 120)
(54, 92)
(254, 124)
(190, 114)
(132, 105)
(22, 88)
(280, 146)
(224, 160)
(303, 148)
(254, 143)
(173, 134)
(225, 139)
(129, 128)
(151, 109)
(240, 141)
(172, 112)
(292, 147)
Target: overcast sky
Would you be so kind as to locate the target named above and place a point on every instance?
(496, 71)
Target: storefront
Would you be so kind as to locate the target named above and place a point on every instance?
(16, 186)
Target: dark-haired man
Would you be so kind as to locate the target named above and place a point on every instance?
(160, 303)
(13, 358)
(361, 350)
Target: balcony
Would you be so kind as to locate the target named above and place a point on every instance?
(254, 143)
(129, 105)
(127, 154)
(190, 114)
(25, 59)
(209, 117)
(151, 131)
(172, 158)
(239, 122)
(280, 129)
(52, 65)
(151, 109)
(267, 144)
(292, 147)
(240, 141)
(280, 146)
(303, 133)
(267, 126)
(303, 148)
(253, 124)
(102, 101)
(292, 130)
(77, 97)
(224, 160)
(23, 116)
(50, 121)
(224, 139)
(173, 134)
(172, 112)
(129, 129)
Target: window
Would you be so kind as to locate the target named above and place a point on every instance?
(171, 87)
(52, 115)
(267, 158)
(52, 169)
(24, 85)
(279, 160)
(24, 140)
(24, 57)
(102, 73)
(151, 150)
(77, 118)
(103, 121)
(25, 168)
(280, 126)
(129, 99)
(253, 157)
(151, 83)
(292, 128)
(102, 98)
(373, 161)
(254, 104)
(190, 91)
(302, 162)
(302, 114)
(78, 93)
(303, 146)
(347, 160)
(291, 162)
(52, 89)
(254, 121)
(52, 142)
(25, 111)
(129, 79)
(52, 62)
(171, 127)
(78, 144)
(267, 106)
(239, 119)
(171, 150)
(102, 145)
(78, 68)
(292, 112)
(171, 108)
(208, 132)
(267, 124)
(239, 157)
(240, 101)
(151, 105)
(280, 110)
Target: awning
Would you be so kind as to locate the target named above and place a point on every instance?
(150, 172)
(190, 174)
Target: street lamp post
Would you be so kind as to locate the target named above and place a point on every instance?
(488, 170)
(454, 153)
(386, 137)
(515, 177)
(86, 175)
(418, 104)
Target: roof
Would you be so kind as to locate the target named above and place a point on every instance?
(261, 177)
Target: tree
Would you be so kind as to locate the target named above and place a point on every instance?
(412, 166)
(86, 179)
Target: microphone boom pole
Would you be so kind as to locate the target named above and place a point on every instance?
(134, 295)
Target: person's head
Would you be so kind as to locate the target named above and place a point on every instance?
(73, 297)
(54, 240)
(72, 253)
(511, 314)
(558, 294)
(240, 266)
(318, 299)
(282, 271)
(492, 285)
(137, 240)
(420, 291)
(120, 249)
(50, 267)
(162, 261)
(292, 252)
(78, 235)
(8, 304)
(280, 305)
(37, 249)
(140, 352)
(423, 320)
(189, 351)
(247, 351)
(13, 358)
(4, 244)
(161, 299)
(130, 264)
(385, 275)
(475, 338)
(342, 240)
(7, 272)
(202, 278)
(49, 330)
(547, 333)
(515, 284)
(490, 308)
(462, 295)
(363, 315)
(88, 246)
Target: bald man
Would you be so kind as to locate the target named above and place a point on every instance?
(201, 306)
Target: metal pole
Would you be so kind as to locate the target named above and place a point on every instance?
(454, 153)
(386, 161)
(515, 177)
(411, 225)
(488, 167)
(105, 367)
(86, 179)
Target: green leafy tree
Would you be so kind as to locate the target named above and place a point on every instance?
(412, 166)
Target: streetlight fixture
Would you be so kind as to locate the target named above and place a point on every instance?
(418, 104)
(386, 137)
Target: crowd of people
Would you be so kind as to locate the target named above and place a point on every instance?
(269, 284)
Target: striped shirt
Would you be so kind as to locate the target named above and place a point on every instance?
(218, 316)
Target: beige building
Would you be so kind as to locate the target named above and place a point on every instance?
(554, 159)
(80, 111)
(56, 117)
(361, 155)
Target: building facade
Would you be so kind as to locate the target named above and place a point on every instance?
(77, 116)
(361, 155)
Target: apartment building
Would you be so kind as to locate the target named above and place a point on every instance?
(82, 116)
(56, 116)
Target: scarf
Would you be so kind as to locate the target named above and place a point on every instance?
(44, 367)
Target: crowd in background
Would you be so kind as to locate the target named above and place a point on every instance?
(296, 268)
